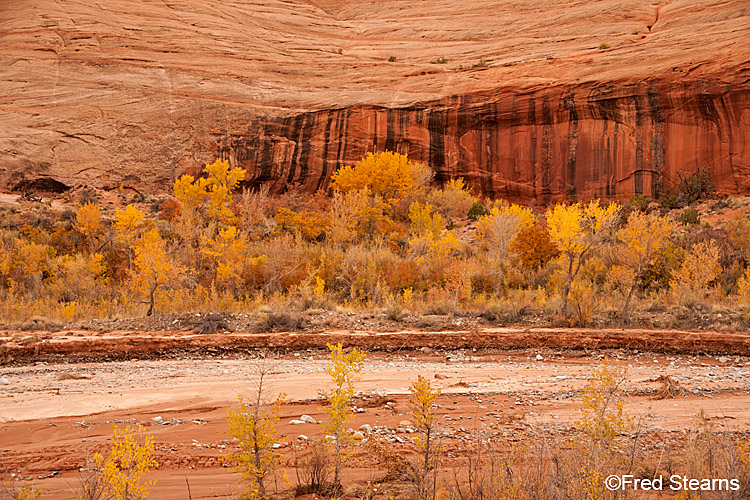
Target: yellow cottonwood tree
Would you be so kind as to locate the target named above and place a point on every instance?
(422, 403)
(127, 224)
(154, 268)
(430, 242)
(89, 223)
(603, 415)
(253, 425)
(228, 250)
(206, 199)
(577, 230)
(643, 237)
(743, 290)
(6, 258)
(80, 276)
(123, 468)
(498, 229)
(700, 267)
(392, 176)
(33, 264)
(255, 430)
(425, 221)
(344, 369)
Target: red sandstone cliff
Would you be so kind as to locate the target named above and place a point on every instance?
(136, 93)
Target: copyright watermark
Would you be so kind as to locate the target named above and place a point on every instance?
(674, 482)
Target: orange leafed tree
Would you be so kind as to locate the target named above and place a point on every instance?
(388, 175)
(643, 237)
(154, 268)
(208, 197)
(577, 230)
(88, 223)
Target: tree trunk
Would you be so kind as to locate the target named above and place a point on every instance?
(338, 457)
(151, 301)
(624, 315)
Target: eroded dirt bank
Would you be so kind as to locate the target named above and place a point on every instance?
(24, 346)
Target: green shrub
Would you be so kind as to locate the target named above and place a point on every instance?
(476, 211)
(689, 216)
(695, 187)
(639, 202)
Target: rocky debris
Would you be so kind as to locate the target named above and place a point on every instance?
(172, 421)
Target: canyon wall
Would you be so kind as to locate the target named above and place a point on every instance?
(531, 105)
(611, 141)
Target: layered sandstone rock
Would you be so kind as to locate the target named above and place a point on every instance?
(134, 93)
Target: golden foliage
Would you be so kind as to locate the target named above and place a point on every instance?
(643, 237)
(80, 276)
(154, 269)
(738, 232)
(392, 176)
(320, 287)
(127, 462)
(309, 225)
(127, 224)
(28, 265)
(603, 415)
(498, 229)
(346, 216)
(699, 269)
(208, 197)
(422, 405)
(422, 397)
(254, 427)
(576, 230)
(229, 253)
(344, 369)
(424, 221)
(458, 280)
(743, 288)
(88, 223)
(21, 493)
(533, 247)
(454, 199)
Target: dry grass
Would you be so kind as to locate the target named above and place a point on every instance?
(68, 375)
